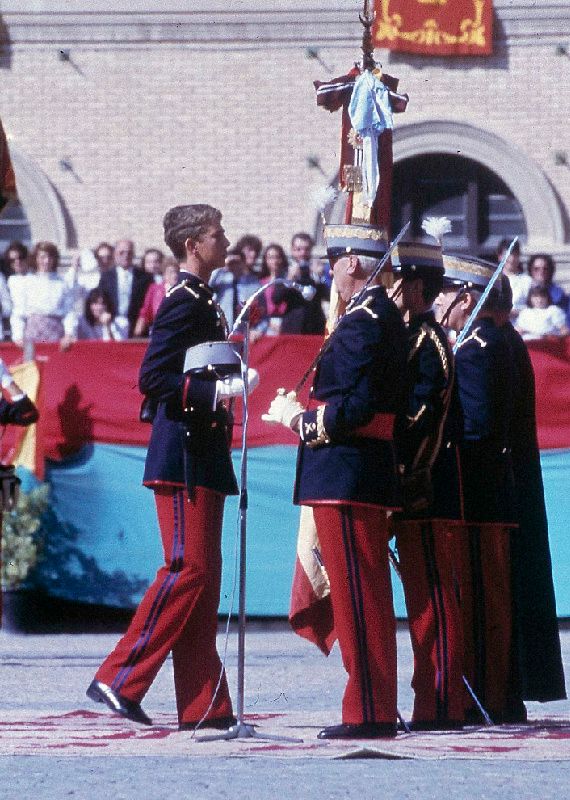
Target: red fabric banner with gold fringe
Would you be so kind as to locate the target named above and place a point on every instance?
(435, 27)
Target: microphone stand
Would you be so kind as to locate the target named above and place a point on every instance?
(243, 730)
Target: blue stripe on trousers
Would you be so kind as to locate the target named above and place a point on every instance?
(176, 563)
(434, 583)
(357, 602)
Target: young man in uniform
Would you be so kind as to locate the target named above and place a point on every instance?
(346, 471)
(427, 532)
(485, 382)
(189, 468)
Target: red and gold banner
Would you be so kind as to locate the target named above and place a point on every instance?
(7, 178)
(435, 27)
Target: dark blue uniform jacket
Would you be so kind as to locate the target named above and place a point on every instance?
(362, 373)
(429, 432)
(189, 444)
(485, 381)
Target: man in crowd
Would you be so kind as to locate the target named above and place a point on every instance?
(301, 250)
(233, 284)
(126, 286)
(346, 472)
(189, 468)
(303, 315)
(105, 255)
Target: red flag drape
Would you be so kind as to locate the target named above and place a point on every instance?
(7, 177)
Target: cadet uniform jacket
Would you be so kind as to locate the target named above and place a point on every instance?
(428, 433)
(485, 382)
(189, 444)
(347, 452)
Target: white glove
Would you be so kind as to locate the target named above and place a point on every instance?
(232, 386)
(285, 409)
(6, 378)
(252, 379)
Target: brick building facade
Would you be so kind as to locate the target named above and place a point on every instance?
(113, 115)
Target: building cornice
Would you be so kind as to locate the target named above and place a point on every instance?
(238, 23)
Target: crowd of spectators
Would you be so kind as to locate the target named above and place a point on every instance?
(107, 294)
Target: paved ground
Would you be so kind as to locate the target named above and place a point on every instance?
(55, 744)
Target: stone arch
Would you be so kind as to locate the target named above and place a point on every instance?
(43, 206)
(541, 209)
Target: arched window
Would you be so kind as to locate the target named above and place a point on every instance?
(481, 207)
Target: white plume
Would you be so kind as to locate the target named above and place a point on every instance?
(323, 196)
(436, 227)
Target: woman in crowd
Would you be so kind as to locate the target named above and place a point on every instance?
(513, 269)
(15, 259)
(43, 309)
(541, 269)
(250, 247)
(274, 264)
(97, 321)
(155, 295)
(14, 265)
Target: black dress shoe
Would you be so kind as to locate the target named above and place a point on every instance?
(474, 717)
(436, 725)
(101, 693)
(362, 730)
(218, 723)
(512, 715)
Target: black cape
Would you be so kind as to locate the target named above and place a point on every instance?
(537, 641)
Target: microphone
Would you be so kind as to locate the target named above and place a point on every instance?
(307, 292)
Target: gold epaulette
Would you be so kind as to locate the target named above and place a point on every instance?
(183, 285)
(474, 337)
(415, 418)
(441, 351)
(421, 335)
(364, 306)
(427, 331)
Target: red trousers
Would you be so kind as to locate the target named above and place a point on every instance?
(428, 558)
(487, 616)
(178, 613)
(354, 545)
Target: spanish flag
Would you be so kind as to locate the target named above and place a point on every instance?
(310, 611)
(22, 446)
(7, 177)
